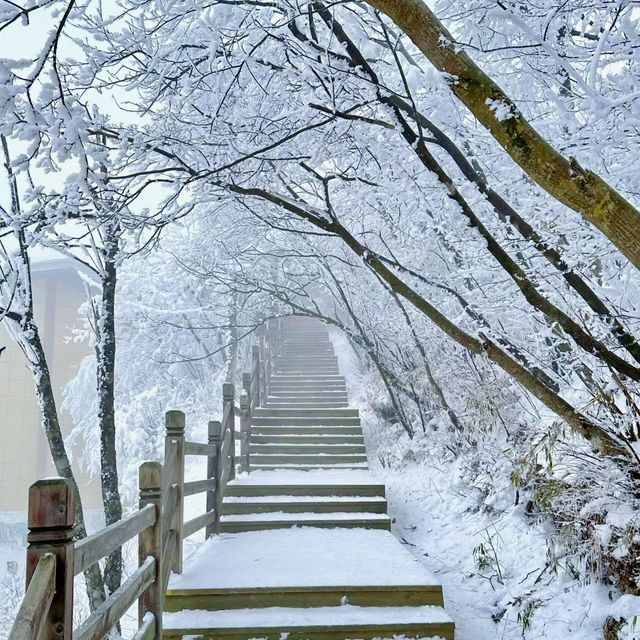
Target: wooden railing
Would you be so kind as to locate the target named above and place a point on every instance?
(54, 557)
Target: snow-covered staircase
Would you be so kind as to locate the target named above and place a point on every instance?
(305, 548)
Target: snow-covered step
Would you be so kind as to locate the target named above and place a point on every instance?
(313, 398)
(302, 567)
(309, 467)
(307, 356)
(283, 520)
(310, 377)
(295, 448)
(303, 504)
(312, 623)
(303, 385)
(308, 365)
(305, 429)
(301, 421)
(326, 459)
(267, 412)
(319, 483)
(319, 438)
(302, 404)
(313, 392)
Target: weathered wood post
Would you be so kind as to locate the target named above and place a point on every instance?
(51, 521)
(261, 333)
(255, 391)
(245, 430)
(214, 467)
(228, 400)
(150, 543)
(267, 374)
(174, 421)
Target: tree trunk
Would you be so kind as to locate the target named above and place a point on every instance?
(105, 375)
(49, 414)
(564, 179)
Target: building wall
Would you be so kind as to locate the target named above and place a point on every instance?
(24, 453)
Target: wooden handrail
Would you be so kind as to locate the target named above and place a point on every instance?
(106, 616)
(199, 486)
(198, 523)
(90, 550)
(54, 559)
(147, 630)
(198, 449)
(34, 609)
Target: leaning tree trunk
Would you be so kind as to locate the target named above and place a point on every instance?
(563, 178)
(105, 371)
(51, 424)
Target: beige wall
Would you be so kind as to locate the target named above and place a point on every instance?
(24, 454)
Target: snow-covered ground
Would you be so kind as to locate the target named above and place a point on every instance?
(489, 556)
(493, 569)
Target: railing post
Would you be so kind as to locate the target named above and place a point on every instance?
(175, 438)
(255, 366)
(267, 375)
(51, 521)
(262, 344)
(245, 430)
(228, 398)
(213, 472)
(150, 543)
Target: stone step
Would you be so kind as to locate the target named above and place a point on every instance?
(304, 371)
(302, 504)
(308, 395)
(267, 412)
(257, 429)
(304, 357)
(302, 458)
(308, 362)
(265, 521)
(272, 448)
(358, 466)
(305, 364)
(323, 596)
(307, 378)
(276, 388)
(303, 567)
(303, 422)
(306, 439)
(235, 488)
(307, 352)
(332, 404)
(306, 347)
(320, 394)
(317, 623)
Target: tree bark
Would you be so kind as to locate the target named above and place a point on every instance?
(105, 383)
(563, 178)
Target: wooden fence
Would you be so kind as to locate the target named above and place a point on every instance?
(54, 557)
